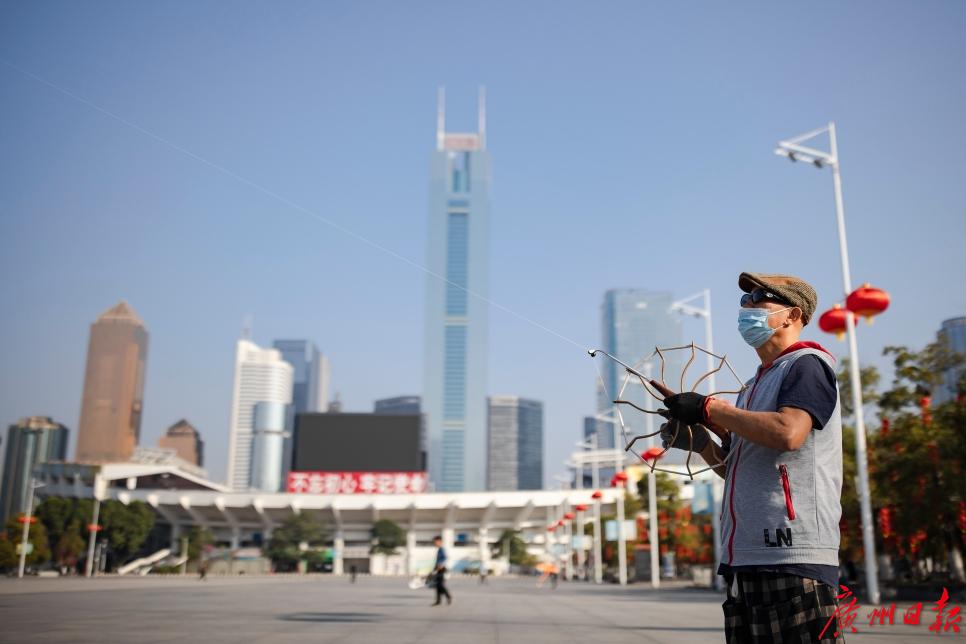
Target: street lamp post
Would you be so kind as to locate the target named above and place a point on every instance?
(685, 308)
(98, 489)
(595, 482)
(794, 150)
(24, 540)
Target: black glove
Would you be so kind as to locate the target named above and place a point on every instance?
(697, 441)
(687, 407)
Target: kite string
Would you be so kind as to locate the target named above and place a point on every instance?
(291, 204)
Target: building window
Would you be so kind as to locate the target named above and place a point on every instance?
(454, 373)
(457, 262)
(459, 169)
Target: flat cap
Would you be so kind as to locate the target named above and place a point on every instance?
(793, 290)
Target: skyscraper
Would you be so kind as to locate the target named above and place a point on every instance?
(110, 419)
(30, 441)
(310, 387)
(267, 444)
(514, 444)
(403, 405)
(260, 376)
(633, 323)
(185, 440)
(953, 333)
(454, 394)
(310, 376)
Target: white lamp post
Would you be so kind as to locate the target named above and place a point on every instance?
(24, 540)
(794, 150)
(686, 308)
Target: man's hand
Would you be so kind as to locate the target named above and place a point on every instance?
(696, 442)
(689, 407)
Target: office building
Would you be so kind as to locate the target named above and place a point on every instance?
(261, 375)
(633, 323)
(186, 442)
(514, 443)
(113, 399)
(454, 393)
(310, 387)
(399, 405)
(267, 445)
(953, 333)
(30, 441)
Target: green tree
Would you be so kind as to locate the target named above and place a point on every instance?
(917, 461)
(851, 535)
(126, 527)
(57, 513)
(37, 537)
(198, 538)
(510, 539)
(285, 546)
(8, 555)
(388, 537)
(69, 545)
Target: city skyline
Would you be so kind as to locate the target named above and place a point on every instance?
(650, 148)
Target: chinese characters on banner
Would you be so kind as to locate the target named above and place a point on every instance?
(356, 482)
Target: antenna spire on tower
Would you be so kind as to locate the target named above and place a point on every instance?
(440, 117)
(481, 114)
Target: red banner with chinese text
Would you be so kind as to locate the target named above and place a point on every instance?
(356, 482)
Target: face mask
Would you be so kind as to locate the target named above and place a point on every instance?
(753, 325)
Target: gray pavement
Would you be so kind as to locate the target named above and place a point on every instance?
(327, 609)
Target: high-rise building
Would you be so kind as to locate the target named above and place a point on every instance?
(261, 375)
(953, 333)
(399, 405)
(310, 387)
(110, 419)
(454, 394)
(310, 376)
(633, 323)
(185, 440)
(514, 444)
(30, 441)
(267, 444)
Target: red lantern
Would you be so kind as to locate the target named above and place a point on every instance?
(867, 302)
(580, 508)
(652, 454)
(569, 516)
(551, 528)
(23, 519)
(560, 523)
(833, 321)
(93, 527)
(597, 495)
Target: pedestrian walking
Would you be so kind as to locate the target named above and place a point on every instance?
(439, 571)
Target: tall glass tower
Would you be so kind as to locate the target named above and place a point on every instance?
(456, 321)
(633, 322)
(310, 388)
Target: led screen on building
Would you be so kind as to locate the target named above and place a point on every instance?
(357, 443)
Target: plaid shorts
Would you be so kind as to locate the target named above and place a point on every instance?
(775, 607)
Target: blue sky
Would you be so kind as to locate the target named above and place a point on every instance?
(631, 146)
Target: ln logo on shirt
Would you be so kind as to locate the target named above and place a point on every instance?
(783, 537)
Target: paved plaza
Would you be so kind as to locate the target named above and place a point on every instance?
(331, 609)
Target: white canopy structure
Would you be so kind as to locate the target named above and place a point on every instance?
(470, 523)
